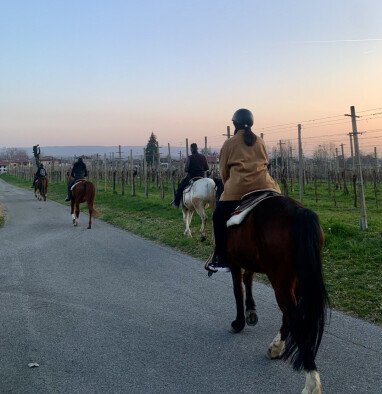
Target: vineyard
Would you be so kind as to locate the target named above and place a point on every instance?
(140, 203)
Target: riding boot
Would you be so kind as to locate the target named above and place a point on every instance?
(216, 264)
(176, 201)
(69, 196)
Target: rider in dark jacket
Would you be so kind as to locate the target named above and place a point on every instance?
(196, 166)
(79, 171)
(41, 173)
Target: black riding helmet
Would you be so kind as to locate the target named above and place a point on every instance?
(242, 118)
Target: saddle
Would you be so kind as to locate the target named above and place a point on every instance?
(77, 182)
(248, 202)
(188, 187)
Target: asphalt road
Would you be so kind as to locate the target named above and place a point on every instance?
(105, 311)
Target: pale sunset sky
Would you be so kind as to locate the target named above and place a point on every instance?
(91, 72)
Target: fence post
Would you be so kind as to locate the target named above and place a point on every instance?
(361, 194)
(300, 165)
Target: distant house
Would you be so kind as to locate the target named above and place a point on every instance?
(49, 161)
(3, 167)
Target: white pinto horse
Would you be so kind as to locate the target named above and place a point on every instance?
(196, 198)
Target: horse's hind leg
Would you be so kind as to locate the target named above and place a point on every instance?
(91, 210)
(72, 211)
(239, 323)
(202, 213)
(277, 346)
(187, 216)
(77, 212)
(250, 307)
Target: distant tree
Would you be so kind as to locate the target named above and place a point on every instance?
(152, 153)
(14, 154)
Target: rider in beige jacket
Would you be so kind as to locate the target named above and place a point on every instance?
(243, 169)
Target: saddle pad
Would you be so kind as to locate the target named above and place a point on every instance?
(250, 201)
(188, 187)
(77, 182)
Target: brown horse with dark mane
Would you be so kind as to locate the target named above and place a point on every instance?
(41, 188)
(283, 240)
(82, 191)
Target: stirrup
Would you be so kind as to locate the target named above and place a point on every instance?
(207, 265)
(212, 265)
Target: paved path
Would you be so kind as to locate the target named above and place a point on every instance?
(104, 311)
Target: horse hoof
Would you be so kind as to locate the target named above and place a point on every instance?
(237, 326)
(251, 318)
(89, 227)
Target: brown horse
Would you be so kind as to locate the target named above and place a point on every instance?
(82, 191)
(41, 188)
(282, 239)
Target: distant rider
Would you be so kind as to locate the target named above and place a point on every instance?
(79, 171)
(196, 166)
(41, 173)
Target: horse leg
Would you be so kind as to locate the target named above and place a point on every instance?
(72, 213)
(277, 346)
(250, 307)
(202, 213)
(287, 302)
(77, 212)
(90, 208)
(237, 278)
(187, 216)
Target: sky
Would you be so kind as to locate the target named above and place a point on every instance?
(112, 72)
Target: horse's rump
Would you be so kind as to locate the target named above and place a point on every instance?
(42, 185)
(282, 239)
(201, 190)
(84, 191)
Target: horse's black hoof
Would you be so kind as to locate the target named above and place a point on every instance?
(210, 273)
(251, 318)
(237, 326)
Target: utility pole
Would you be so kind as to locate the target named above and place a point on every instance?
(351, 151)
(337, 166)
(343, 157)
(169, 158)
(300, 165)
(363, 218)
(376, 159)
(262, 136)
(281, 155)
(205, 145)
(186, 147)
(228, 135)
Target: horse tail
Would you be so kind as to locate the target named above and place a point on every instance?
(307, 317)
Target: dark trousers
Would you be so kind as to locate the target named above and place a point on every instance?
(220, 217)
(70, 184)
(179, 192)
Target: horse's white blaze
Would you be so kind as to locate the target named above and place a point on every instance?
(197, 199)
(276, 347)
(312, 383)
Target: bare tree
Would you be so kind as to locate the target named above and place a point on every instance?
(14, 154)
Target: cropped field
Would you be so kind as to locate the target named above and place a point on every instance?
(352, 258)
